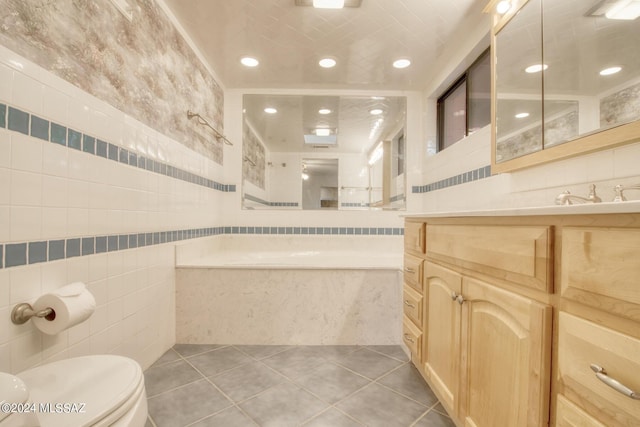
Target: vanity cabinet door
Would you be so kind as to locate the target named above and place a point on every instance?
(442, 340)
(505, 358)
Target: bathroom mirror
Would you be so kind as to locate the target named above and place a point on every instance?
(584, 94)
(323, 152)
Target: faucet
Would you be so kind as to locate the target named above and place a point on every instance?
(566, 197)
(619, 191)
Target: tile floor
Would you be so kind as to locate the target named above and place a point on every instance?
(280, 386)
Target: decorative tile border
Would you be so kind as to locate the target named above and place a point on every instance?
(27, 253)
(367, 205)
(28, 124)
(23, 253)
(355, 205)
(473, 175)
(334, 231)
(266, 203)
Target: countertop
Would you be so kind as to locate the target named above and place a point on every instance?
(577, 209)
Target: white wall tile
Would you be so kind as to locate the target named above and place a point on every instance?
(54, 276)
(54, 344)
(26, 188)
(626, 161)
(78, 269)
(5, 189)
(5, 223)
(26, 153)
(54, 223)
(55, 160)
(26, 351)
(55, 105)
(5, 148)
(26, 284)
(55, 191)
(25, 223)
(6, 83)
(27, 93)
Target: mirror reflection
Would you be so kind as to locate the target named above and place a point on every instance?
(587, 81)
(315, 152)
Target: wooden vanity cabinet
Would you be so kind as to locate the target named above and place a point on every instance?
(442, 339)
(487, 350)
(517, 309)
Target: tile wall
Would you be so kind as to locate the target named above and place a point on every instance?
(90, 194)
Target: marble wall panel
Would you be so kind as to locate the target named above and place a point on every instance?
(143, 68)
(556, 131)
(253, 168)
(620, 107)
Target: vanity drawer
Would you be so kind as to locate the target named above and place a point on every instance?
(582, 343)
(601, 269)
(413, 271)
(519, 254)
(412, 337)
(414, 237)
(412, 304)
(569, 415)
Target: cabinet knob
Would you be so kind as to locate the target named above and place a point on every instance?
(408, 304)
(408, 338)
(460, 299)
(454, 296)
(601, 374)
(409, 270)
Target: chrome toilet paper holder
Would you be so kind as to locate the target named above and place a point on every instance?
(22, 312)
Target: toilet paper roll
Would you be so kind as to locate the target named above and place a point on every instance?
(72, 304)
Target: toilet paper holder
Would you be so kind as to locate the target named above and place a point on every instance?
(22, 312)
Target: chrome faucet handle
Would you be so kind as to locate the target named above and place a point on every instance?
(592, 194)
(619, 193)
(562, 199)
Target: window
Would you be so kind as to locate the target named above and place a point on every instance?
(466, 105)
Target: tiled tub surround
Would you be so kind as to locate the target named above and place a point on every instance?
(337, 386)
(143, 68)
(292, 290)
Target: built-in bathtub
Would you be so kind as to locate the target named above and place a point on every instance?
(283, 290)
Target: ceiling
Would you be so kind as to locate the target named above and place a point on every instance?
(289, 40)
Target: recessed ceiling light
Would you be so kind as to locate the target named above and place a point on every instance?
(327, 62)
(323, 132)
(375, 111)
(328, 4)
(536, 68)
(610, 70)
(624, 9)
(324, 111)
(270, 110)
(401, 63)
(249, 61)
(522, 115)
(503, 7)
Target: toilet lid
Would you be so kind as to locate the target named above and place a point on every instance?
(85, 389)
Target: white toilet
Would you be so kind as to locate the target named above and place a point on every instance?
(102, 390)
